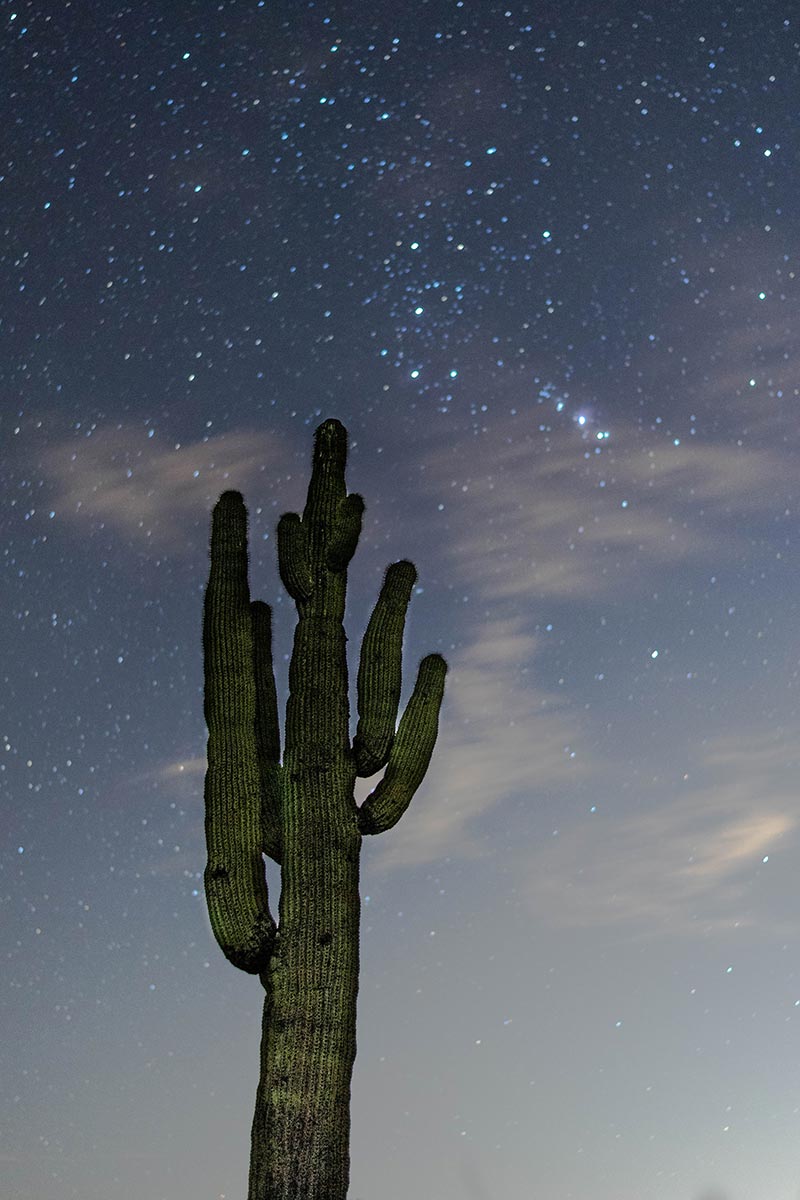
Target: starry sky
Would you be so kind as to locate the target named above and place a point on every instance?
(541, 260)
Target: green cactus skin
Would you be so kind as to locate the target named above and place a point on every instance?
(302, 812)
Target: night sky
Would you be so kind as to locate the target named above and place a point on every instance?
(542, 262)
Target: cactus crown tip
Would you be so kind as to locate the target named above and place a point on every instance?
(330, 425)
(329, 434)
(231, 497)
(402, 570)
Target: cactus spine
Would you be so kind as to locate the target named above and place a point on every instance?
(302, 811)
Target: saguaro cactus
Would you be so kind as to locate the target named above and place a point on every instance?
(301, 811)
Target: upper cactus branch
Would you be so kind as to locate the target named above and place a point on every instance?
(379, 671)
(294, 559)
(327, 486)
(236, 888)
(346, 532)
(268, 737)
(327, 534)
(317, 711)
(411, 750)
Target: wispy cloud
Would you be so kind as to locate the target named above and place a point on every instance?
(150, 491)
(500, 736)
(682, 865)
(185, 768)
(536, 527)
(547, 524)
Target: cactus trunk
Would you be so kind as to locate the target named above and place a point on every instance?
(301, 1129)
(302, 811)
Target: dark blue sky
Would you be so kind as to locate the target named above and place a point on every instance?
(541, 260)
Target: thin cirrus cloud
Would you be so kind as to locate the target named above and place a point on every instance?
(536, 525)
(186, 768)
(500, 736)
(151, 491)
(688, 864)
(535, 528)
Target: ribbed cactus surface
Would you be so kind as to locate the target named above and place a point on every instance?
(300, 809)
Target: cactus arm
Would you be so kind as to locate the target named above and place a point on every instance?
(379, 670)
(268, 738)
(317, 710)
(294, 563)
(235, 883)
(346, 532)
(327, 487)
(411, 750)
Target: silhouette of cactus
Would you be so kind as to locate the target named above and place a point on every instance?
(302, 811)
